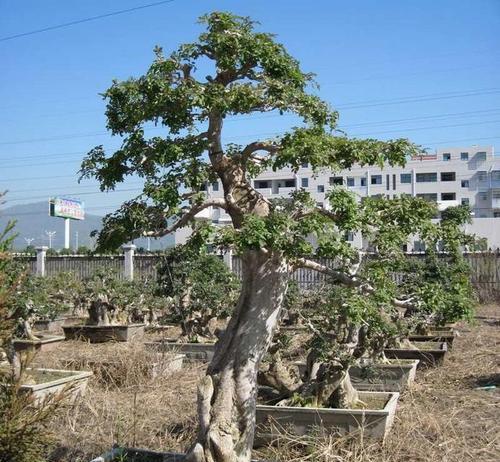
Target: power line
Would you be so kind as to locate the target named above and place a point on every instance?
(428, 128)
(81, 21)
(395, 130)
(77, 194)
(343, 127)
(266, 134)
(369, 103)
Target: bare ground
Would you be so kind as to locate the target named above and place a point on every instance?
(445, 417)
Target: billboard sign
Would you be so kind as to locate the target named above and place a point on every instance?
(66, 208)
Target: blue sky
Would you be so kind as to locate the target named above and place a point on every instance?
(380, 63)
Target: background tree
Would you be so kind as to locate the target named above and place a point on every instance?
(233, 69)
(201, 286)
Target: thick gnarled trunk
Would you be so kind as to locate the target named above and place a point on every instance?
(227, 394)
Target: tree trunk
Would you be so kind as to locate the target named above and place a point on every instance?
(227, 394)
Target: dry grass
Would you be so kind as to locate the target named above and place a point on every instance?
(443, 418)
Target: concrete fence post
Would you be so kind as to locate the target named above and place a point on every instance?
(128, 270)
(228, 259)
(41, 254)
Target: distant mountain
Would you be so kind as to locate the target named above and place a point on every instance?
(33, 220)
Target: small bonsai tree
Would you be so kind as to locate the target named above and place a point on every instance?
(201, 287)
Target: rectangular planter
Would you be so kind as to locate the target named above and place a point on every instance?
(45, 342)
(380, 377)
(77, 379)
(374, 423)
(435, 336)
(55, 325)
(118, 454)
(158, 329)
(101, 334)
(192, 351)
(384, 377)
(113, 371)
(428, 357)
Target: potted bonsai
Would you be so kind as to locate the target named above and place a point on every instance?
(203, 292)
(111, 310)
(43, 386)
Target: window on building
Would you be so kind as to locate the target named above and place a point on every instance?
(262, 184)
(305, 164)
(465, 183)
(215, 186)
(419, 246)
(448, 196)
(405, 178)
(349, 236)
(427, 177)
(480, 156)
(448, 176)
(464, 156)
(304, 182)
(483, 196)
(289, 183)
(336, 180)
(465, 201)
(482, 175)
(431, 197)
(495, 175)
(321, 188)
(363, 181)
(376, 179)
(446, 156)
(393, 181)
(203, 187)
(496, 214)
(350, 181)
(387, 182)
(319, 204)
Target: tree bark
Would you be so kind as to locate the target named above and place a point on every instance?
(227, 394)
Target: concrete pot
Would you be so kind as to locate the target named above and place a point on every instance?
(54, 325)
(373, 423)
(76, 379)
(101, 334)
(192, 351)
(112, 371)
(118, 454)
(396, 376)
(435, 336)
(158, 329)
(45, 342)
(432, 355)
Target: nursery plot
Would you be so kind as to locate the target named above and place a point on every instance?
(443, 417)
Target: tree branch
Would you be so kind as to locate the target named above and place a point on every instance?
(348, 280)
(188, 216)
(271, 148)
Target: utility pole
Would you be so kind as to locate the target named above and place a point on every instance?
(29, 240)
(76, 240)
(149, 243)
(50, 235)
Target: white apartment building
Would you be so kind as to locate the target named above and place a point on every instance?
(452, 176)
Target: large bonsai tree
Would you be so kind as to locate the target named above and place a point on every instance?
(233, 69)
